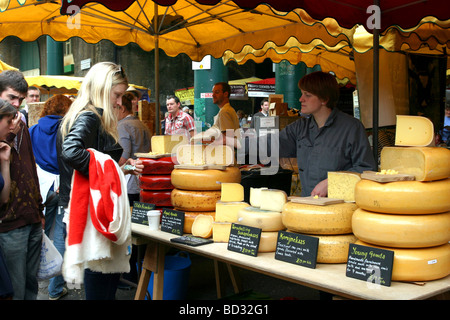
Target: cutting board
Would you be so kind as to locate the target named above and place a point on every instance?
(372, 175)
(200, 167)
(321, 201)
(152, 156)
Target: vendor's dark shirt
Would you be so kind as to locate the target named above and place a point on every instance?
(340, 145)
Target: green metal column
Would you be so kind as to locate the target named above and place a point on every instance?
(287, 76)
(204, 80)
(55, 57)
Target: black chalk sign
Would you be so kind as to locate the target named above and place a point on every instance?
(370, 264)
(139, 212)
(172, 221)
(244, 239)
(297, 249)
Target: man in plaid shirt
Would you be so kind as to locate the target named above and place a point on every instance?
(178, 122)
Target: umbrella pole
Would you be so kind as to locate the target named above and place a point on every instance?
(157, 107)
(375, 90)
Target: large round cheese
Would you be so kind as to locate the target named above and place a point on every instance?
(268, 241)
(160, 198)
(401, 231)
(264, 219)
(189, 200)
(316, 219)
(157, 166)
(425, 163)
(155, 182)
(334, 248)
(404, 197)
(191, 179)
(419, 264)
(189, 217)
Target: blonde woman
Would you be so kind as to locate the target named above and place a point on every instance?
(91, 123)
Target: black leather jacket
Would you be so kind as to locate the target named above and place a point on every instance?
(87, 132)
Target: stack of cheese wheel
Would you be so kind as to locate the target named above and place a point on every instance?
(197, 190)
(264, 212)
(331, 223)
(155, 182)
(411, 218)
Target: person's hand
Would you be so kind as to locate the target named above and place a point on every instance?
(321, 189)
(136, 164)
(16, 123)
(5, 151)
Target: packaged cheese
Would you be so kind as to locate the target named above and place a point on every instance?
(228, 211)
(231, 192)
(272, 199)
(255, 196)
(425, 163)
(163, 144)
(202, 226)
(191, 154)
(414, 131)
(210, 179)
(341, 185)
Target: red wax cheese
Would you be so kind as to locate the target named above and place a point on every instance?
(157, 166)
(155, 182)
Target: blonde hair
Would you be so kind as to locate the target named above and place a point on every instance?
(95, 92)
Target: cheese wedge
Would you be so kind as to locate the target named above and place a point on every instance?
(221, 231)
(272, 199)
(414, 131)
(401, 231)
(188, 200)
(228, 211)
(425, 163)
(404, 197)
(332, 219)
(232, 192)
(219, 154)
(163, 144)
(188, 179)
(202, 226)
(191, 154)
(422, 264)
(264, 219)
(189, 217)
(341, 184)
(255, 196)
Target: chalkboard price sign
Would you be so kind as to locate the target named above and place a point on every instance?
(244, 239)
(297, 249)
(370, 264)
(139, 212)
(172, 221)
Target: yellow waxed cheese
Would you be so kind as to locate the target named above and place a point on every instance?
(255, 196)
(404, 197)
(202, 226)
(314, 219)
(268, 241)
(341, 184)
(221, 231)
(228, 211)
(189, 217)
(162, 144)
(272, 199)
(219, 154)
(258, 218)
(210, 179)
(401, 231)
(425, 163)
(191, 154)
(189, 200)
(414, 131)
(419, 264)
(232, 192)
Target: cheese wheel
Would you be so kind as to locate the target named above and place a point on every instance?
(189, 217)
(404, 197)
(268, 241)
(334, 248)
(160, 198)
(425, 163)
(228, 211)
(188, 200)
(258, 218)
(418, 264)
(157, 166)
(188, 179)
(401, 231)
(155, 182)
(202, 226)
(341, 185)
(315, 219)
(414, 131)
(221, 231)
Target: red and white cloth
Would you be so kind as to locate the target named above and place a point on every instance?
(99, 222)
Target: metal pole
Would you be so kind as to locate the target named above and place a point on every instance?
(157, 106)
(375, 93)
